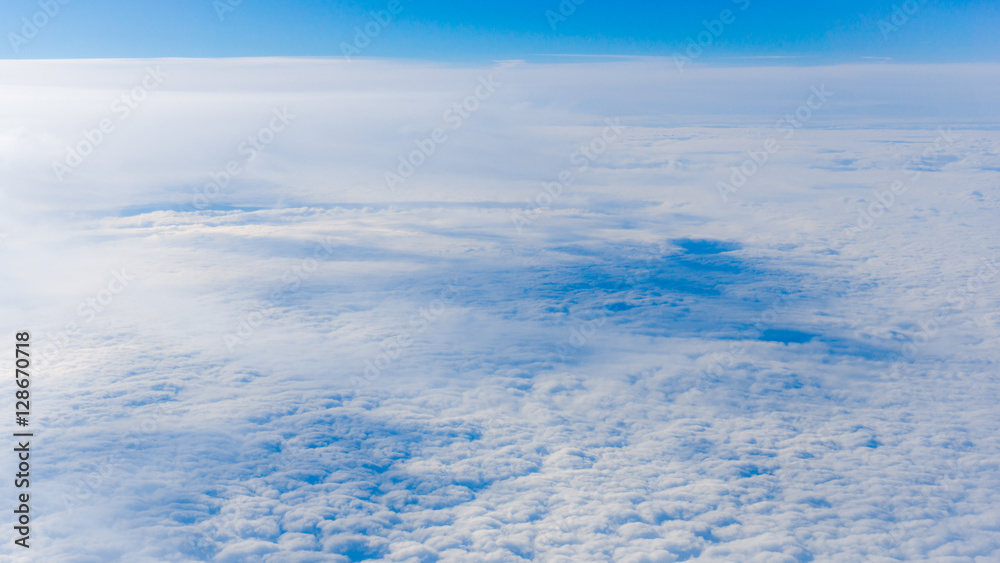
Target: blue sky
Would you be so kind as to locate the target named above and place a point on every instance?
(617, 312)
(463, 301)
(933, 31)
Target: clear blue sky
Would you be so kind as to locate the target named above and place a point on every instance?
(833, 31)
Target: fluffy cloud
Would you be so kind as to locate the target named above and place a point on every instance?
(308, 366)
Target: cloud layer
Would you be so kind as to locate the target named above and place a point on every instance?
(489, 362)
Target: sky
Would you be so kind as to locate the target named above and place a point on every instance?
(485, 290)
(827, 32)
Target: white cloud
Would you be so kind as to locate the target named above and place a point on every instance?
(497, 434)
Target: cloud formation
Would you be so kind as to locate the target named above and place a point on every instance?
(644, 372)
